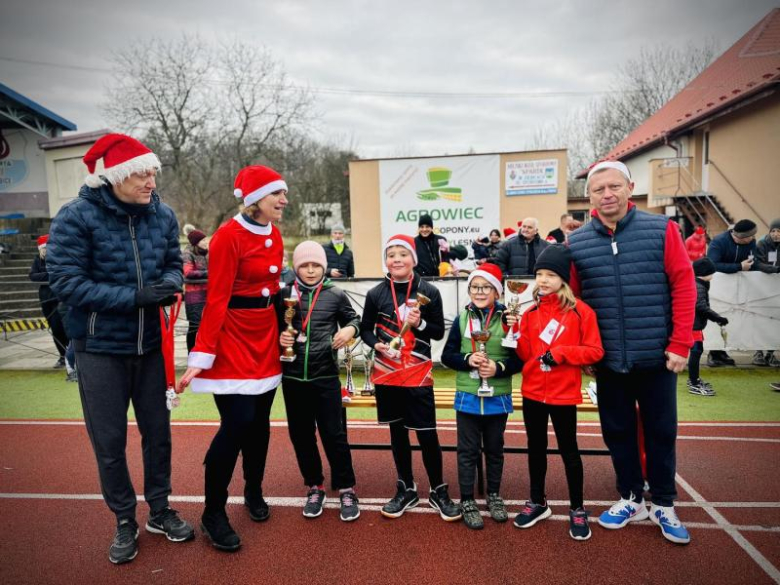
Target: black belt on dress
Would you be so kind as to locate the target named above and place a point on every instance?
(238, 302)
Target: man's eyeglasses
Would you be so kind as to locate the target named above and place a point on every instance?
(480, 290)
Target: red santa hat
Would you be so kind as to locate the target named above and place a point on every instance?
(122, 156)
(255, 182)
(508, 232)
(490, 272)
(405, 242)
(42, 240)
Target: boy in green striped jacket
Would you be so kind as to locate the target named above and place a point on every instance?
(481, 408)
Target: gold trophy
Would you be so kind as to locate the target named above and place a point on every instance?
(368, 365)
(350, 385)
(482, 337)
(288, 355)
(516, 287)
(421, 301)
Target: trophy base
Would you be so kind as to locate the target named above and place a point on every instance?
(509, 343)
(485, 392)
(366, 392)
(285, 358)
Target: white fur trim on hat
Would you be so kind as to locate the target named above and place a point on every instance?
(404, 244)
(489, 277)
(93, 181)
(610, 164)
(266, 189)
(138, 165)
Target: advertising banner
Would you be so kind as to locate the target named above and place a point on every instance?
(531, 177)
(460, 193)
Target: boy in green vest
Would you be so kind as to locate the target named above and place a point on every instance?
(482, 408)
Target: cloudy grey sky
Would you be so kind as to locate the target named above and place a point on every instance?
(453, 48)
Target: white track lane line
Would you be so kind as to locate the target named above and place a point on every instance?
(731, 530)
(375, 505)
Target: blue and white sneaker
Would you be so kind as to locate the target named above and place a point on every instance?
(671, 527)
(623, 512)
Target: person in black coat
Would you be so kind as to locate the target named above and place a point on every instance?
(432, 249)
(704, 269)
(518, 255)
(50, 305)
(341, 263)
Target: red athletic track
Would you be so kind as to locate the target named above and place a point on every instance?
(66, 541)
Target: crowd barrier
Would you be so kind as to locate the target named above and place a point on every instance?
(749, 300)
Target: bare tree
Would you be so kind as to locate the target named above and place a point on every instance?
(207, 111)
(642, 86)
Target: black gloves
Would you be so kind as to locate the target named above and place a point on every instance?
(158, 294)
(547, 359)
(723, 321)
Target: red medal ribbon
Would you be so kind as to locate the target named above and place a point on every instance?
(305, 321)
(166, 329)
(395, 300)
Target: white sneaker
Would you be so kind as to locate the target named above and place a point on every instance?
(671, 527)
(623, 512)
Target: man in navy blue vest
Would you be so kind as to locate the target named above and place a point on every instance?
(632, 268)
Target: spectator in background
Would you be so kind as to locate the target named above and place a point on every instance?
(559, 234)
(495, 243)
(696, 244)
(569, 228)
(481, 249)
(287, 275)
(196, 272)
(341, 263)
(432, 249)
(49, 303)
(732, 251)
(768, 248)
(767, 251)
(518, 255)
(508, 234)
(704, 269)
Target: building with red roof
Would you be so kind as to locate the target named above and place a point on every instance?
(710, 154)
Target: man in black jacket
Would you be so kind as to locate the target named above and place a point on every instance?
(341, 263)
(114, 259)
(50, 306)
(518, 255)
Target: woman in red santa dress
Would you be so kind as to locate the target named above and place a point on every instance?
(236, 354)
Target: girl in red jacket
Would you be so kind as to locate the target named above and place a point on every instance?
(558, 336)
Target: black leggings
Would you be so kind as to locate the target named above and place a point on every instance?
(694, 358)
(564, 419)
(402, 454)
(244, 426)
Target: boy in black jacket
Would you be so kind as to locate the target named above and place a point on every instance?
(704, 269)
(402, 375)
(310, 383)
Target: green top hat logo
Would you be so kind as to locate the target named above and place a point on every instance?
(439, 179)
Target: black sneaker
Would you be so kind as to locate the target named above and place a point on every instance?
(497, 508)
(167, 522)
(349, 506)
(699, 388)
(578, 524)
(775, 386)
(124, 548)
(59, 364)
(404, 499)
(72, 376)
(314, 501)
(531, 514)
(219, 532)
(258, 508)
(471, 516)
(440, 500)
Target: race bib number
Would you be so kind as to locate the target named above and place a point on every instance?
(551, 331)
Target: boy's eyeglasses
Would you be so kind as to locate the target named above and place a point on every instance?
(480, 290)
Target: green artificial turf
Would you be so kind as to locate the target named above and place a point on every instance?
(742, 395)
